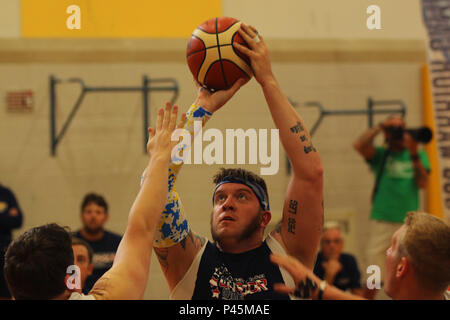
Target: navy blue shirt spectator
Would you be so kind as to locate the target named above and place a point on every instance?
(10, 218)
(348, 278)
(337, 268)
(103, 257)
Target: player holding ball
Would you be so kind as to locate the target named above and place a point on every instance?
(237, 264)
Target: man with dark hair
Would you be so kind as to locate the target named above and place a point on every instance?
(237, 264)
(10, 218)
(94, 215)
(83, 255)
(40, 263)
(36, 263)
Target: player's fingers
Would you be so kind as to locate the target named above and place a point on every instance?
(247, 38)
(243, 49)
(173, 118)
(159, 119)
(167, 113)
(282, 288)
(249, 30)
(182, 121)
(151, 133)
(288, 263)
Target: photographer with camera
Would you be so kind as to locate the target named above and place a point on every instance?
(400, 169)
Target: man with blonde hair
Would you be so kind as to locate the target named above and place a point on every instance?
(417, 264)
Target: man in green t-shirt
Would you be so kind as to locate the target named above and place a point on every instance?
(400, 170)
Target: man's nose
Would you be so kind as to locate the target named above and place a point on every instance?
(228, 204)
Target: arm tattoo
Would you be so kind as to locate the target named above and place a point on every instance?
(299, 128)
(291, 225)
(293, 204)
(162, 254)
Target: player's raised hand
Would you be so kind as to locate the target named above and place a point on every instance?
(257, 52)
(213, 101)
(160, 141)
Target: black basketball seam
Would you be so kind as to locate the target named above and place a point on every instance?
(216, 27)
(187, 56)
(220, 56)
(206, 48)
(238, 66)
(238, 53)
(206, 74)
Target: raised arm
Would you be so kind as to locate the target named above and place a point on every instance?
(127, 278)
(176, 244)
(303, 207)
(307, 283)
(364, 144)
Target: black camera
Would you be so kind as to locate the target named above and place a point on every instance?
(423, 134)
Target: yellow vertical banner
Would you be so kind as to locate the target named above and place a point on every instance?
(433, 195)
(115, 19)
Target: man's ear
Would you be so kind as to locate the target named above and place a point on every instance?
(266, 217)
(402, 267)
(90, 269)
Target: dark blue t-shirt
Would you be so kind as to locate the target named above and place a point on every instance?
(104, 253)
(226, 276)
(348, 278)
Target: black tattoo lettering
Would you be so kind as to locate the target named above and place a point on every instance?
(293, 206)
(303, 138)
(297, 128)
(310, 148)
(291, 225)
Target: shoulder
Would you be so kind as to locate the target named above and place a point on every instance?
(80, 296)
(348, 258)
(112, 236)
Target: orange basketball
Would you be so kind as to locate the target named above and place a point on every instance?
(211, 57)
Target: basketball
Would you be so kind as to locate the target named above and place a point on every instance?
(211, 57)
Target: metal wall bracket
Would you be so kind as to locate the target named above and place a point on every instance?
(148, 85)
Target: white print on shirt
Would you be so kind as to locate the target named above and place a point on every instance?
(235, 288)
(103, 260)
(399, 169)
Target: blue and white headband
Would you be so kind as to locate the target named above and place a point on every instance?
(257, 190)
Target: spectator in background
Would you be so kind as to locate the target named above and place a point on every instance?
(400, 169)
(94, 214)
(417, 265)
(10, 218)
(337, 268)
(39, 263)
(82, 255)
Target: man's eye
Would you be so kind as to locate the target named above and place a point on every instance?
(242, 196)
(221, 197)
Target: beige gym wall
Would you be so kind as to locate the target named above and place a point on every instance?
(321, 51)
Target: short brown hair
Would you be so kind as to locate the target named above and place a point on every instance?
(426, 240)
(80, 242)
(94, 198)
(241, 174)
(36, 263)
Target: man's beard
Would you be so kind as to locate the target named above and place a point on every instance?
(249, 230)
(93, 231)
